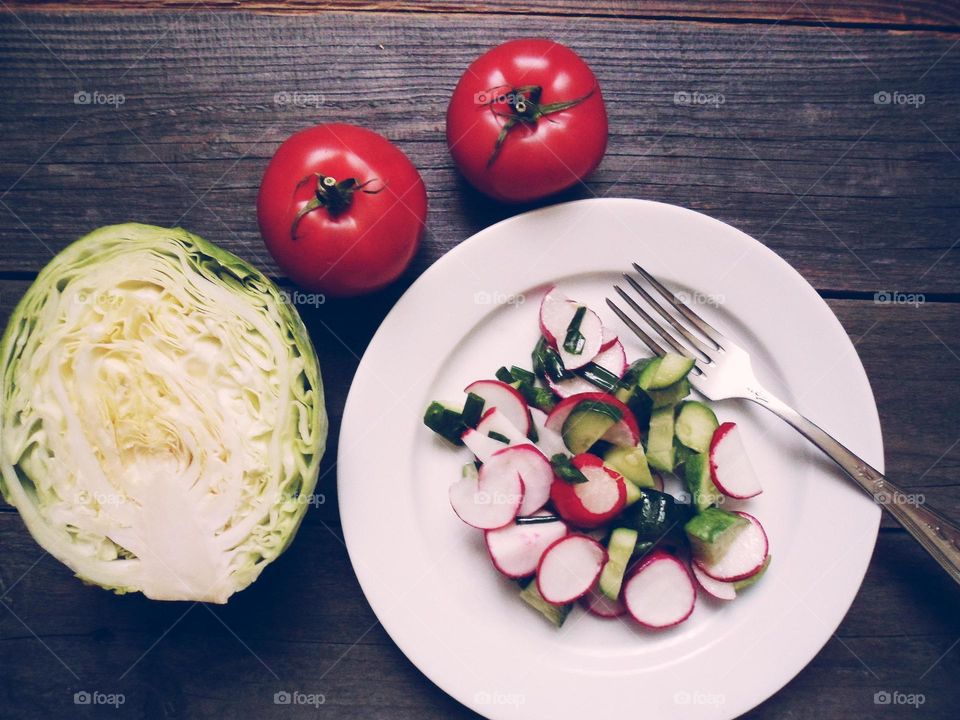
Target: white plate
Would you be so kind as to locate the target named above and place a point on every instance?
(427, 575)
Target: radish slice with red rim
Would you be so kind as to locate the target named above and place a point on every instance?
(557, 314)
(569, 568)
(506, 399)
(714, 588)
(612, 359)
(730, 466)
(516, 549)
(660, 593)
(608, 339)
(549, 440)
(490, 501)
(482, 446)
(534, 469)
(744, 557)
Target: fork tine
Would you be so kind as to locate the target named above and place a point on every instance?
(651, 322)
(628, 321)
(676, 324)
(694, 319)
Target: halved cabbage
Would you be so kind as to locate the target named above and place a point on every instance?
(163, 417)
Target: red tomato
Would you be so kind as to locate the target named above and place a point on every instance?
(547, 103)
(595, 502)
(341, 209)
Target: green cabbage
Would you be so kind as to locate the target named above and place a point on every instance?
(163, 420)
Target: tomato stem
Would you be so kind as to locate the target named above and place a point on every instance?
(334, 196)
(524, 107)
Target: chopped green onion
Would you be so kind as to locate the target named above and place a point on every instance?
(472, 409)
(498, 437)
(504, 375)
(575, 340)
(566, 470)
(599, 376)
(445, 422)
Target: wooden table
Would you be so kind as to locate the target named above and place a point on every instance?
(859, 195)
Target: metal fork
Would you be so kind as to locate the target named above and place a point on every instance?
(723, 370)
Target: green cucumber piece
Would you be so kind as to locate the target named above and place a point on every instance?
(631, 462)
(752, 580)
(556, 614)
(633, 494)
(695, 425)
(587, 423)
(655, 516)
(696, 473)
(671, 369)
(670, 395)
(660, 454)
(619, 549)
(711, 532)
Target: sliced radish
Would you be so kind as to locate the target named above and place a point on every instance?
(608, 339)
(504, 398)
(495, 421)
(743, 558)
(534, 469)
(553, 308)
(491, 500)
(569, 568)
(730, 466)
(482, 446)
(516, 549)
(592, 503)
(714, 588)
(660, 593)
(549, 441)
(623, 432)
(613, 358)
(596, 603)
(556, 314)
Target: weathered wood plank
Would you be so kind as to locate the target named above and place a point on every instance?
(305, 626)
(922, 13)
(880, 200)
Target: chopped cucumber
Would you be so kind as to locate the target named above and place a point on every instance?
(695, 425)
(681, 454)
(752, 580)
(696, 472)
(588, 422)
(660, 454)
(670, 395)
(631, 462)
(711, 532)
(556, 614)
(671, 369)
(619, 549)
(648, 373)
(445, 422)
(633, 494)
(655, 515)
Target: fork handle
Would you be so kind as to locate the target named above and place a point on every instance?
(932, 529)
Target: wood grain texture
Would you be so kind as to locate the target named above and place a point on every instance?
(921, 13)
(305, 626)
(879, 197)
